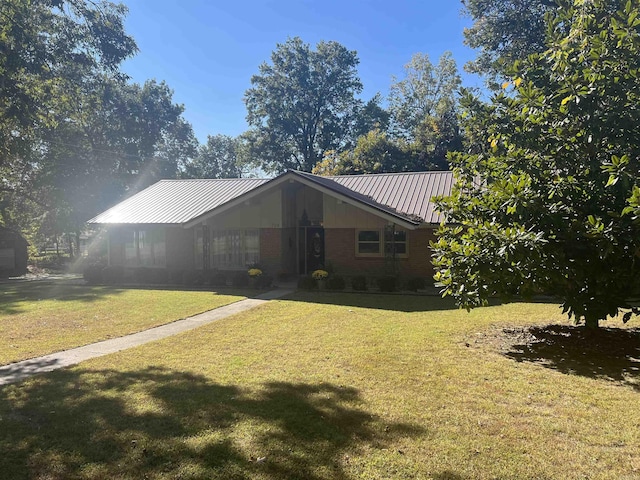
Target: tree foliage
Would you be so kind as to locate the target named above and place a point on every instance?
(75, 135)
(549, 203)
(302, 104)
(220, 157)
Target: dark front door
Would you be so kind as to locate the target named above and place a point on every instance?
(311, 249)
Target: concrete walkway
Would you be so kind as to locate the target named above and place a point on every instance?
(16, 372)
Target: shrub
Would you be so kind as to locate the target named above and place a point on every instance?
(336, 282)
(93, 274)
(264, 281)
(113, 274)
(307, 283)
(387, 283)
(192, 277)
(175, 276)
(240, 279)
(218, 279)
(359, 283)
(415, 283)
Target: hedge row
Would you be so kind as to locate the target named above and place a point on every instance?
(359, 283)
(113, 275)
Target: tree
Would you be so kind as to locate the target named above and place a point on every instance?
(374, 152)
(550, 205)
(423, 108)
(505, 31)
(47, 49)
(218, 158)
(302, 104)
(40, 43)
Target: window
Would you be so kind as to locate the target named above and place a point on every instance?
(235, 248)
(368, 242)
(395, 242)
(145, 247)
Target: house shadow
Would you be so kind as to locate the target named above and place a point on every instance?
(607, 353)
(164, 423)
(15, 294)
(380, 301)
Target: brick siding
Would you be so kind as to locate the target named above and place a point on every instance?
(340, 252)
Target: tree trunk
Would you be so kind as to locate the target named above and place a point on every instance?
(591, 323)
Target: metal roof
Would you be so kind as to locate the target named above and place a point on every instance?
(402, 195)
(177, 201)
(406, 194)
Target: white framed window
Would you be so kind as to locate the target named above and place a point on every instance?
(368, 243)
(377, 243)
(395, 243)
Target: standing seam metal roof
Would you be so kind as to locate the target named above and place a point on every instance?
(406, 195)
(177, 201)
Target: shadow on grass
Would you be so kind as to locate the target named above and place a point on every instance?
(18, 293)
(14, 295)
(380, 301)
(164, 423)
(608, 353)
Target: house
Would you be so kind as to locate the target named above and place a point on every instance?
(13, 253)
(292, 224)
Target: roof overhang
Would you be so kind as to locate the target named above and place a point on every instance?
(369, 207)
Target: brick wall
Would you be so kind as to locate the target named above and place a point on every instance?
(271, 250)
(340, 251)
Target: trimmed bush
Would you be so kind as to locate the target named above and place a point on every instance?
(264, 281)
(359, 283)
(113, 274)
(387, 283)
(93, 274)
(336, 282)
(307, 283)
(147, 275)
(240, 279)
(416, 283)
(218, 279)
(175, 276)
(192, 277)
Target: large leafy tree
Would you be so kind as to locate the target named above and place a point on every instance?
(48, 49)
(549, 203)
(220, 157)
(302, 104)
(423, 107)
(504, 31)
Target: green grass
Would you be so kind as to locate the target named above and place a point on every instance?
(38, 318)
(335, 386)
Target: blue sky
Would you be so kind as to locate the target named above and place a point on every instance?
(207, 51)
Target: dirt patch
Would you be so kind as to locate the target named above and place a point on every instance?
(611, 353)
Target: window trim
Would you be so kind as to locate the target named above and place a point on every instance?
(381, 244)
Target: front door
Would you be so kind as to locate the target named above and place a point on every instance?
(311, 253)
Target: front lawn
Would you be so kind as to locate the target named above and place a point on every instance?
(37, 318)
(337, 386)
